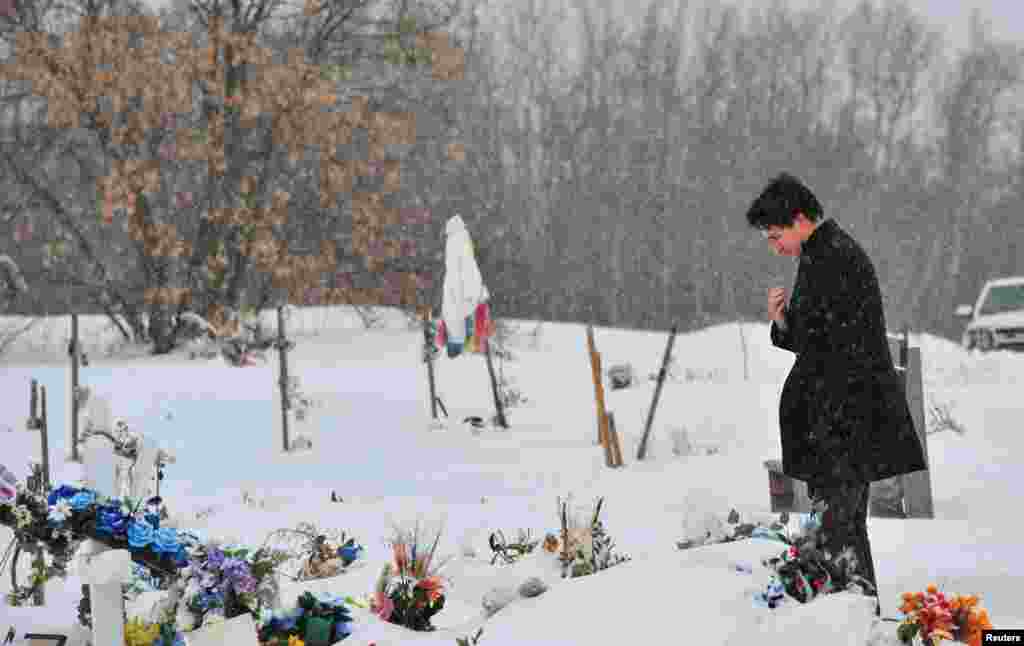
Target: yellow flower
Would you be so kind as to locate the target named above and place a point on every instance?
(295, 641)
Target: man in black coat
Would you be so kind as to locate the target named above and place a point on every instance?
(843, 414)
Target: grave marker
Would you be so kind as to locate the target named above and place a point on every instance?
(913, 490)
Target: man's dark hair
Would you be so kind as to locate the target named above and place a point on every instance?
(780, 201)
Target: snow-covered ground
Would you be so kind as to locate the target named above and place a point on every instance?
(375, 446)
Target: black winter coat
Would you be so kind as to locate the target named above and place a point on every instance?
(843, 413)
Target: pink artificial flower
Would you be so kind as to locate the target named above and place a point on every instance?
(383, 606)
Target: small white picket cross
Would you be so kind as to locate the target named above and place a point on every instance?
(106, 570)
(237, 631)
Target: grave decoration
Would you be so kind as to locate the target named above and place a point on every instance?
(733, 529)
(317, 620)
(932, 617)
(584, 549)
(327, 560)
(806, 571)
(221, 582)
(60, 521)
(410, 590)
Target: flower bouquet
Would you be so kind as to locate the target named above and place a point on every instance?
(584, 549)
(805, 571)
(314, 622)
(326, 560)
(932, 617)
(225, 583)
(144, 633)
(410, 591)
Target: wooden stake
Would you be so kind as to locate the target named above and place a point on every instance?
(427, 343)
(282, 347)
(45, 442)
(75, 355)
(494, 385)
(642, 450)
(595, 368)
(613, 440)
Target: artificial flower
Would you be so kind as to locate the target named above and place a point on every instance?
(215, 557)
(83, 500)
(382, 606)
(295, 641)
(110, 520)
(342, 629)
(349, 553)
(60, 512)
(165, 541)
(22, 516)
(140, 534)
(401, 559)
(63, 491)
(433, 587)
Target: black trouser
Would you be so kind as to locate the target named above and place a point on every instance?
(844, 524)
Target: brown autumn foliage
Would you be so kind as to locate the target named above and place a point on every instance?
(294, 96)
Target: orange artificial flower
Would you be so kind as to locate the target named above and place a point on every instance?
(401, 560)
(433, 586)
(932, 589)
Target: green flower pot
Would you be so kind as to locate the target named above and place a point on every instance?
(318, 632)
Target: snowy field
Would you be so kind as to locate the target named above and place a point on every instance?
(375, 446)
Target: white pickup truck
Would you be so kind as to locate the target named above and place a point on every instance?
(996, 322)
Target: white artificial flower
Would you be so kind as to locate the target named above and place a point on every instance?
(23, 516)
(60, 511)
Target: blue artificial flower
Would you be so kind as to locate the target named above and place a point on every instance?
(83, 500)
(165, 541)
(181, 556)
(349, 553)
(153, 520)
(139, 534)
(342, 630)
(214, 556)
(63, 491)
(110, 520)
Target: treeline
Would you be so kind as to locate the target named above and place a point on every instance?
(611, 189)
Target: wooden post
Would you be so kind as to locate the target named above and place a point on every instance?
(494, 385)
(45, 442)
(282, 347)
(33, 404)
(73, 350)
(613, 439)
(642, 450)
(917, 486)
(428, 359)
(595, 368)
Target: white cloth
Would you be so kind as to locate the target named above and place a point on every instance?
(464, 288)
